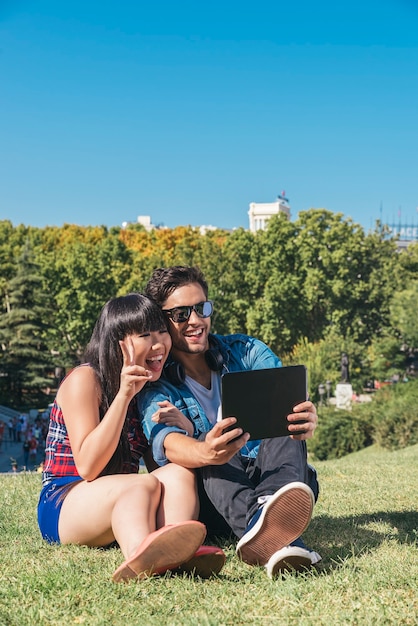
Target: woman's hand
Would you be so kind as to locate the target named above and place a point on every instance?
(132, 377)
(171, 416)
(305, 412)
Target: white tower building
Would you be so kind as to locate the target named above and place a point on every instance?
(261, 212)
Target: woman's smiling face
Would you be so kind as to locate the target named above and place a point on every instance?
(150, 350)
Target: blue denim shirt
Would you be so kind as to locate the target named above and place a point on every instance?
(240, 353)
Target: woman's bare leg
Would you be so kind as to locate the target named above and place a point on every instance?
(121, 507)
(179, 500)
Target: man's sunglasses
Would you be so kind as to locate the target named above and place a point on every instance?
(182, 313)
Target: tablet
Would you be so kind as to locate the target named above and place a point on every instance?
(262, 399)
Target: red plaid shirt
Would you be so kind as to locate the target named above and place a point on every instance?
(59, 460)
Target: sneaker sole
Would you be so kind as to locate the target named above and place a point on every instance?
(162, 550)
(289, 559)
(283, 519)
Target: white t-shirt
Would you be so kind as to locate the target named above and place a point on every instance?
(209, 399)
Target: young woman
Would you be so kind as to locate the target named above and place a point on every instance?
(92, 493)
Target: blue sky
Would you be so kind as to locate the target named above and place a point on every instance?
(188, 111)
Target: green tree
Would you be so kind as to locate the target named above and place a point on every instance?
(403, 312)
(408, 263)
(226, 271)
(85, 284)
(12, 239)
(323, 362)
(348, 277)
(277, 311)
(25, 361)
(82, 268)
(385, 356)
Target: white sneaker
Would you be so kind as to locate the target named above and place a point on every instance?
(283, 518)
(293, 558)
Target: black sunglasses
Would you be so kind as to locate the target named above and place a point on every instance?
(181, 314)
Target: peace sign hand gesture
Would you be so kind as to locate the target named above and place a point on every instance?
(132, 377)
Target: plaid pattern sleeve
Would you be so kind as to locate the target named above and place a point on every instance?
(59, 460)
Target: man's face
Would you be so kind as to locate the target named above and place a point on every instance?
(191, 336)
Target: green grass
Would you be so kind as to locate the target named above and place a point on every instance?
(364, 525)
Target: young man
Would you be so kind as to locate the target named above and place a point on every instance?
(265, 491)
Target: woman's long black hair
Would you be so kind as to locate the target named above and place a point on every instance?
(134, 313)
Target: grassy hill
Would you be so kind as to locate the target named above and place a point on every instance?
(365, 527)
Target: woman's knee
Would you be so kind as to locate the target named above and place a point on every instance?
(140, 488)
(149, 483)
(176, 474)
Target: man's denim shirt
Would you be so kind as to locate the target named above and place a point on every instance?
(240, 353)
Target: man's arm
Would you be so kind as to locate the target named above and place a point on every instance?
(172, 443)
(259, 356)
(216, 449)
(148, 404)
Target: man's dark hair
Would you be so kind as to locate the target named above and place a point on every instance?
(165, 280)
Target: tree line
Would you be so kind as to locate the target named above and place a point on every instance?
(311, 289)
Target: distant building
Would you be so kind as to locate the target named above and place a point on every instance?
(406, 234)
(144, 220)
(261, 212)
(206, 228)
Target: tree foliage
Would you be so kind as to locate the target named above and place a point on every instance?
(311, 288)
(403, 310)
(25, 359)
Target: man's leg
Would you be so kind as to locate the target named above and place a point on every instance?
(240, 489)
(229, 489)
(280, 508)
(234, 489)
(280, 461)
(215, 524)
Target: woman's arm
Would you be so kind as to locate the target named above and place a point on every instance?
(93, 442)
